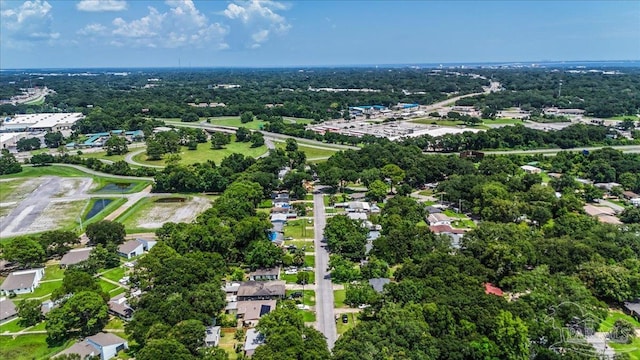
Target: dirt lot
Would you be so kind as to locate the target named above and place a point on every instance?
(12, 190)
(154, 214)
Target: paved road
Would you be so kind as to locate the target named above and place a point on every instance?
(30, 207)
(129, 159)
(324, 289)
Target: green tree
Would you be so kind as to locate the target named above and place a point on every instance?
(394, 173)
(623, 331)
(242, 134)
(303, 277)
(342, 270)
(8, 163)
(105, 232)
(257, 139)
(75, 281)
(42, 159)
(25, 252)
(510, 334)
(28, 144)
(189, 117)
(164, 349)
(263, 254)
(53, 140)
(246, 117)
(377, 190)
(29, 312)
(374, 268)
(85, 313)
(359, 294)
(116, 145)
(219, 140)
(346, 237)
(189, 333)
(630, 215)
(58, 242)
(155, 150)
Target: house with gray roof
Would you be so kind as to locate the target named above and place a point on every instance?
(22, 282)
(212, 336)
(136, 247)
(251, 311)
(104, 345)
(253, 340)
(118, 306)
(261, 290)
(265, 274)
(633, 309)
(75, 256)
(7, 310)
(379, 283)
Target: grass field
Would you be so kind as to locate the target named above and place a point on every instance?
(53, 272)
(311, 152)
(11, 326)
(106, 286)
(52, 170)
(234, 121)
(624, 117)
(292, 279)
(501, 121)
(307, 244)
(342, 327)
(148, 213)
(298, 229)
(36, 101)
(114, 274)
(204, 153)
(228, 343)
(42, 292)
(633, 349)
(31, 346)
(103, 155)
(338, 298)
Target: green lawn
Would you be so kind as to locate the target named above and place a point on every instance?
(614, 315)
(8, 188)
(39, 327)
(36, 101)
(633, 349)
(292, 279)
(310, 260)
(297, 120)
(298, 229)
(308, 244)
(309, 296)
(204, 153)
(464, 224)
(114, 274)
(53, 272)
(234, 121)
(116, 291)
(501, 121)
(308, 316)
(228, 343)
(265, 204)
(623, 117)
(31, 346)
(11, 326)
(342, 327)
(43, 291)
(106, 286)
(52, 170)
(103, 155)
(338, 298)
(115, 324)
(311, 152)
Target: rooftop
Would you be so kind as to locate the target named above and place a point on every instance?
(129, 246)
(254, 339)
(379, 283)
(19, 280)
(7, 309)
(75, 256)
(262, 288)
(253, 310)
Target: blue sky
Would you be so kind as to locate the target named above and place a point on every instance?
(136, 33)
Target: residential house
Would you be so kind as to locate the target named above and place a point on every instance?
(265, 274)
(455, 234)
(438, 219)
(261, 290)
(602, 213)
(358, 206)
(633, 309)
(607, 186)
(7, 310)
(47, 306)
(22, 282)
(118, 306)
(357, 196)
(251, 311)
(491, 289)
(635, 201)
(252, 341)
(630, 195)
(379, 283)
(357, 216)
(433, 210)
(280, 196)
(75, 256)
(105, 345)
(212, 336)
(278, 218)
(279, 210)
(531, 169)
(136, 247)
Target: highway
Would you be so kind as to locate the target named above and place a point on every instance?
(324, 289)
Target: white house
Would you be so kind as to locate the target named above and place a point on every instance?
(531, 169)
(105, 345)
(22, 282)
(212, 336)
(133, 248)
(438, 219)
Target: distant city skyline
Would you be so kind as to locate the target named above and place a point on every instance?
(185, 33)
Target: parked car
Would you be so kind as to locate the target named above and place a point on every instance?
(124, 280)
(296, 294)
(308, 268)
(302, 307)
(345, 318)
(291, 271)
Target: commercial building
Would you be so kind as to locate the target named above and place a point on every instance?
(40, 122)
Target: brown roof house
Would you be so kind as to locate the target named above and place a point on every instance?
(75, 256)
(261, 290)
(119, 307)
(251, 311)
(104, 345)
(7, 310)
(22, 282)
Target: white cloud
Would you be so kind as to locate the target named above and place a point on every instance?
(182, 24)
(101, 5)
(93, 29)
(27, 23)
(259, 18)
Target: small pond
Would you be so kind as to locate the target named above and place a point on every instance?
(116, 187)
(98, 205)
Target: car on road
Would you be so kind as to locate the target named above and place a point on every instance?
(345, 318)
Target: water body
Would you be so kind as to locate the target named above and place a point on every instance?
(116, 188)
(97, 207)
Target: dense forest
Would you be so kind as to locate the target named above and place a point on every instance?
(599, 94)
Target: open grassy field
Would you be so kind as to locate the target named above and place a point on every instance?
(152, 212)
(102, 155)
(298, 229)
(311, 152)
(204, 153)
(228, 343)
(234, 121)
(11, 326)
(632, 349)
(42, 292)
(31, 346)
(114, 274)
(51, 170)
(338, 298)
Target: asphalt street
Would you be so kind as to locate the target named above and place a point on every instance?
(324, 289)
